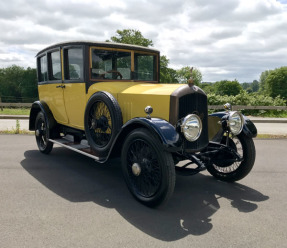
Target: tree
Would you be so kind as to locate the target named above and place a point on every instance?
(255, 86)
(29, 86)
(251, 87)
(18, 84)
(207, 87)
(131, 36)
(184, 74)
(262, 80)
(167, 75)
(276, 82)
(9, 83)
(229, 88)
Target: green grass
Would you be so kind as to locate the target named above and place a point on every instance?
(15, 111)
(16, 132)
(270, 113)
(271, 136)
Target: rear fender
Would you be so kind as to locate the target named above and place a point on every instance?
(35, 109)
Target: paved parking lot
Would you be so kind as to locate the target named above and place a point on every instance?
(67, 200)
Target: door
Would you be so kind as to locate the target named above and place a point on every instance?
(51, 86)
(74, 87)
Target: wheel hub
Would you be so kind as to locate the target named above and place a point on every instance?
(136, 169)
(103, 123)
(39, 132)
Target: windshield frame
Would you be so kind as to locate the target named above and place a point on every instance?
(132, 52)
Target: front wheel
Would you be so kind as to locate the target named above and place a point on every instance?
(148, 169)
(228, 171)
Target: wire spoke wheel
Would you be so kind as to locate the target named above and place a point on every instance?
(148, 170)
(227, 170)
(143, 168)
(103, 121)
(100, 123)
(225, 166)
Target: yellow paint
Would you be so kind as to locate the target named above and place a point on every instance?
(68, 105)
(54, 98)
(134, 97)
(75, 103)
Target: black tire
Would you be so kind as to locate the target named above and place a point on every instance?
(103, 121)
(231, 172)
(42, 134)
(148, 170)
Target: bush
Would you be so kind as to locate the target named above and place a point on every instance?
(230, 88)
(276, 82)
(254, 99)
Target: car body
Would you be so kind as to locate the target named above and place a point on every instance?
(106, 97)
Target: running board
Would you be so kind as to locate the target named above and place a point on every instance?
(79, 147)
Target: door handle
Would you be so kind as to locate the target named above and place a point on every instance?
(61, 86)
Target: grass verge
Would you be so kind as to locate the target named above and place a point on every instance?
(13, 131)
(16, 130)
(271, 136)
(15, 111)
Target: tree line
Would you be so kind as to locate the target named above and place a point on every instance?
(18, 84)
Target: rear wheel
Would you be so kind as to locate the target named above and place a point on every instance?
(233, 171)
(42, 134)
(148, 169)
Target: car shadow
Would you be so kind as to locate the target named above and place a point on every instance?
(79, 179)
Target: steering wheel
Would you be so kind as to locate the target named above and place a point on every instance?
(112, 71)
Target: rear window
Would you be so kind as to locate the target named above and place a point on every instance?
(42, 69)
(55, 66)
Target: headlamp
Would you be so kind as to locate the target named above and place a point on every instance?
(191, 127)
(235, 122)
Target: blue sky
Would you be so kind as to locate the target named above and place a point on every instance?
(234, 39)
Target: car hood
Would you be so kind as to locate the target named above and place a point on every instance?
(151, 89)
(135, 98)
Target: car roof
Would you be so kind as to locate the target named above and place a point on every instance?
(99, 43)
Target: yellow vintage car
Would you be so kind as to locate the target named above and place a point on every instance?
(104, 99)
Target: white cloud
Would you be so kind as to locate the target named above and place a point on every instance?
(224, 39)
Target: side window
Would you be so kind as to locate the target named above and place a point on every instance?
(145, 67)
(42, 67)
(55, 66)
(73, 61)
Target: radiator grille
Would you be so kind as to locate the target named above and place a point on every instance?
(195, 103)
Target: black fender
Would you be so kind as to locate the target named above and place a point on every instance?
(167, 134)
(249, 129)
(38, 106)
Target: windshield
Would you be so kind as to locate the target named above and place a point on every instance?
(107, 64)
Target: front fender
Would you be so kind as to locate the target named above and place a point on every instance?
(167, 134)
(249, 129)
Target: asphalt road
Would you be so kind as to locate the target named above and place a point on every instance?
(67, 200)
